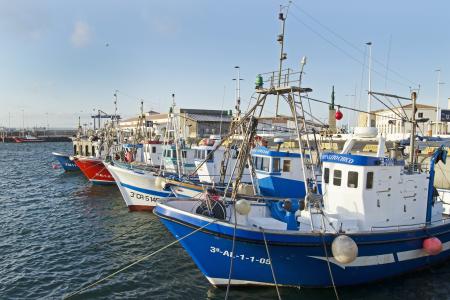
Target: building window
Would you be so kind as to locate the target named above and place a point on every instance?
(276, 165)
(337, 176)
(153, 149)
(326, 175)
(352, 180)
(369, 182)
(286, 165)
(420, 115)
(184, 153)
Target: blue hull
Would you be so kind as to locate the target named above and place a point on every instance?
(65, 162)
(298, 259)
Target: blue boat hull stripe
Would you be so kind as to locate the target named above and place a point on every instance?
(146, 191)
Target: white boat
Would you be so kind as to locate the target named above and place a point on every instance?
(140, 189)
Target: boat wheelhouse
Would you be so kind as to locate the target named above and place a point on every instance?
(209, 160)
(278, 173)
(172, 163)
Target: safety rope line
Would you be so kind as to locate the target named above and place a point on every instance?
(329, 266)
(270, 264)
(232, 253)
(120, 235)
(135, 262)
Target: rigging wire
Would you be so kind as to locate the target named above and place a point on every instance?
(302, 10)
(271, 265)
(136, 262)
(353, 109)
(346, 53)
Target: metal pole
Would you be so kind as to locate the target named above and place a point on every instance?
(238, 91)
(281, 40)
(413, 131)
(437, 100)
(369, 100)
(115, 108)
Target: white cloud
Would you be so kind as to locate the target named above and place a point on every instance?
(81, 35)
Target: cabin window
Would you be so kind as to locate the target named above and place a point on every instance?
(352, 180)
(255, 162)
(276, 165)
(286, 165)
(86, 148)
(174, 154)
(153, 149)
(337, 176)
(420, 115)
(165, 153)
(369, 182)
(211, 158)
(261, 163)
(265, 164)
(184, 153)
(326, 175)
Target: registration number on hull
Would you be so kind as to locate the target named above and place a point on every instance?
(253, 259)
(143, 197)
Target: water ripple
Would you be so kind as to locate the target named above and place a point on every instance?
(56, 231)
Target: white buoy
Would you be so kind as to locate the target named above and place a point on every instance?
(344, 249)
(243, 207)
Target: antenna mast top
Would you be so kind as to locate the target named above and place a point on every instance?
(282, 15)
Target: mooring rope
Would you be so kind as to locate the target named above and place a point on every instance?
(135, 262)
(120, 235)
(270, 264)
(232, 254)
(329, 266)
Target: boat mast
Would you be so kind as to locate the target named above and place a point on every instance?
(413, 131)
(115, 107)
(369, 100)
(23, 123)
(282, 17)
(238, 92)
(437, 100)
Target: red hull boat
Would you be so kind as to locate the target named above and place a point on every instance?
(27, 140)
(94, 169)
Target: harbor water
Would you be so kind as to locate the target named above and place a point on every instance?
(58, 233)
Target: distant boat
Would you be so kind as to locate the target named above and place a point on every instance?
(28, 139)
(66, 162)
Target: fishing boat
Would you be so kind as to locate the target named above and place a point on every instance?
(28, 139)
(94, 169)
(141, 187)
(378, 214)
(66, 163)
(378, 217)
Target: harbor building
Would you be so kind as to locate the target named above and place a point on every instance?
(389, 123)
(430, 121)
(193, 123)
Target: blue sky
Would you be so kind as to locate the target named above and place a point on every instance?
(66, 58)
